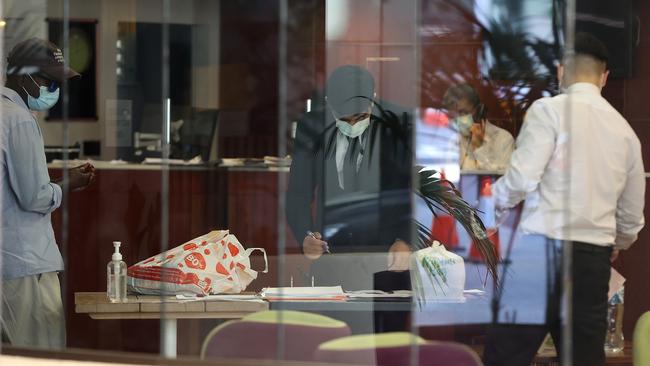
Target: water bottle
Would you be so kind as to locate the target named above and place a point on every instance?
(614, 341)
(116, 276)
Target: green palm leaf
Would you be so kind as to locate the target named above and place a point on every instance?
(440, 194)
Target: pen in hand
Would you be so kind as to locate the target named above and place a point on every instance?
(325, 247)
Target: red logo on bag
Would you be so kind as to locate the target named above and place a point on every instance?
(195, 260)
(189, 246)
(221, 269)
(233, 249)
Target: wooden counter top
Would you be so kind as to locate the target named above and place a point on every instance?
(97, 306)
(112, 165)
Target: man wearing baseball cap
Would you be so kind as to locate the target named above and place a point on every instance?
(32, 310)
(352, 163)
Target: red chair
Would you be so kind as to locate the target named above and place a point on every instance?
(256, 336)
(400, 348)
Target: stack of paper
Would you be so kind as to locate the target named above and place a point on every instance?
(376, 294)
(242, 162)
(331, 293)
(159, 161)
(232, 161)
(277, 161)
(226, 297)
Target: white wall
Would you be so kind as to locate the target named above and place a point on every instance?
(205, 73)
(23, 19)
(203, 13)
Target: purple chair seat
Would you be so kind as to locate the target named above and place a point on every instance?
(391, 349)
(256, 336)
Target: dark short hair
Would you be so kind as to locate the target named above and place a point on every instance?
(458, 92)
(587, 44)
(350, 90)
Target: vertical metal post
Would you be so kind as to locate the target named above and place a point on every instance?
(65, 214)
(167, 326)
(415, 178)
(283, 16)
(2, 79)
(567, 247)
(167, 123)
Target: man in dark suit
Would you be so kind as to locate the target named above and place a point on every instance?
(352, 160)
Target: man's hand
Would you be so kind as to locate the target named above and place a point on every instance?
(614, 255)
(81, 177)
(478, 134)
(399, 256)
(313, 246)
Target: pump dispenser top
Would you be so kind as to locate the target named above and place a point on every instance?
(117, 256)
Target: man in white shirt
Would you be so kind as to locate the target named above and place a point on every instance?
(578, 166)
(483, 146)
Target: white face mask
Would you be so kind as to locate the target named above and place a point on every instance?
(355, 130)
(463, 124)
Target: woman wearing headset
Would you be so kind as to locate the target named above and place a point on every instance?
(483, 146)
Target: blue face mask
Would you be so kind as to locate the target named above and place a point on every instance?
(355, 130)
(47, 97)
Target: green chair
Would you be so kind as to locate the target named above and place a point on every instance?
(641, 346)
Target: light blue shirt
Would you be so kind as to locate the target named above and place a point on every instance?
(28, 197)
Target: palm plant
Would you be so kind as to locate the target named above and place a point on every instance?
(441, 195)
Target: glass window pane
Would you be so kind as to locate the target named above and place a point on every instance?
(375, 182)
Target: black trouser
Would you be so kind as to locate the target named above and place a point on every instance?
(518, 344)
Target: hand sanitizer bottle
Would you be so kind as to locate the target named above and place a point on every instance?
(116, 276)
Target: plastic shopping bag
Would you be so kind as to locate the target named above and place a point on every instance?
(438, 274)
(214, 263)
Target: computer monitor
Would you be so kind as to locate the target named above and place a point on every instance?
(198, 136)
